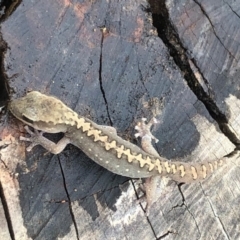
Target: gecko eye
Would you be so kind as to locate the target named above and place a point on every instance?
(24, 118)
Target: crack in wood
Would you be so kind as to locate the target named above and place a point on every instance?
(169, 36)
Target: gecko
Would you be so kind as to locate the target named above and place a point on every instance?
(101, 143)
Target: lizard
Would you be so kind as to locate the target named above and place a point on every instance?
(101, 143)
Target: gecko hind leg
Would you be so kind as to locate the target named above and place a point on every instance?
(144, 132)
(151, 183)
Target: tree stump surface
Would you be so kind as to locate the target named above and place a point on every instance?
(107, 60)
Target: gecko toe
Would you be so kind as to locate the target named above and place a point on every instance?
(136, 135)
(31, 146)
(25, 139)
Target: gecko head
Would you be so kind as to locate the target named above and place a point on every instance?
(41, 112)
(26, 108)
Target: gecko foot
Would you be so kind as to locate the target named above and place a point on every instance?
(34, 136)
(144, 130)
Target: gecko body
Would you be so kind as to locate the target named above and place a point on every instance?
(101, 143)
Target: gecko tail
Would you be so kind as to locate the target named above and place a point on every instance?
(195, 172)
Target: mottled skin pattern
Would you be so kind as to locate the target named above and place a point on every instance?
(102, 144)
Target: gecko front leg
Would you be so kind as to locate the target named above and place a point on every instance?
(37, 138)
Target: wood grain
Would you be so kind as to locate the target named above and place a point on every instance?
(103, 58)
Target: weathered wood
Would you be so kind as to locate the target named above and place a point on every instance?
(4, 234)
(103, 59)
